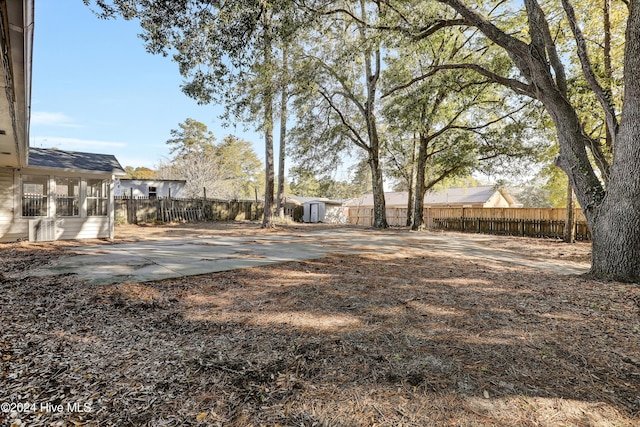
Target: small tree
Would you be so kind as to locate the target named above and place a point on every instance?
(191, 136)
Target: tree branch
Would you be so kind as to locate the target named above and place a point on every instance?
(409, 83)
(517, 86)
(355, 134)
(542, 39)
(444, 174)
(587, 69)
(416, 34)
(517, 50)
(347, 93)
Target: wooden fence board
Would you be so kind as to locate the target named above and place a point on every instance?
(137, 210)
(533, 222)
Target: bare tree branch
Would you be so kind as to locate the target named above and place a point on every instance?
(347, 91)
(542, 39)
(515, 48)
(587, 69)
(415, 33)
(355, 135)
(515, 85)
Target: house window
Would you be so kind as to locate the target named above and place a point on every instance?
(67, 191)
(153, 192)
(96, 197)
(35, 191)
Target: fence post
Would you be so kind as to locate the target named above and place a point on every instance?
(131, 213)
(462, 218)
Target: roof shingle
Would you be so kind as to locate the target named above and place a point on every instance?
(74, 160)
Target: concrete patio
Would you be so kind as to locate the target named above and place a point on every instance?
(177, 257)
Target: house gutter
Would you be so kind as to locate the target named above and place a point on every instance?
(16, 33)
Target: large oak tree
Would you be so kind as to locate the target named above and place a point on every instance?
(608, 192)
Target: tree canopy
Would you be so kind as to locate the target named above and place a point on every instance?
(467, 77)
(227, 170)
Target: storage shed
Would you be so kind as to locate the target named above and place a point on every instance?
(324, 210)
(313, 211)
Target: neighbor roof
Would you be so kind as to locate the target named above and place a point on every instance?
(74, 160)
(480, 194)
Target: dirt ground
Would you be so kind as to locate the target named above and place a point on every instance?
(412, 338)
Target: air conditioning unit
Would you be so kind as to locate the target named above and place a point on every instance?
(42, 230)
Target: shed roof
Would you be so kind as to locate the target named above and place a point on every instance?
(74, 160)
(303, 200)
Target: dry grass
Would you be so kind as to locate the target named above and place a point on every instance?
(411, 338)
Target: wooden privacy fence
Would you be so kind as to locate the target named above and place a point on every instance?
(531, 222)
(135, 210)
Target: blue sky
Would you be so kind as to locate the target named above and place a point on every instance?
(96, 89)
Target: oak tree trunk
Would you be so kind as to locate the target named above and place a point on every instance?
(613, 214)
(372, 75)
(379, 205)
(570, 220)
(616, 229)
(418, 207)
(412, 180)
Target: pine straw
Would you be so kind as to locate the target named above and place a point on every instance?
(413, 338)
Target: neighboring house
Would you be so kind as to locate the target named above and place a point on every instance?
(486, 196)
(45, 194)
(321, 209)
(150, 188)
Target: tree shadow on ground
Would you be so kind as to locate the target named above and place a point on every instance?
(374, 339)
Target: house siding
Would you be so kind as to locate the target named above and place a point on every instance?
(496, 201)
(82, 228)
(8, 231)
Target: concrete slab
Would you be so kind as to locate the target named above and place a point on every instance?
(171, 258)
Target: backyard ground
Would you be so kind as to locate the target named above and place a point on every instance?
(411, 337)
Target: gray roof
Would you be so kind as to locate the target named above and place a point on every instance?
(303, 200)
(455, 196)
(480, 194)
(151, 180)
(74, 160)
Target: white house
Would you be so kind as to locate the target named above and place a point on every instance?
(150, 188)
(45, 194)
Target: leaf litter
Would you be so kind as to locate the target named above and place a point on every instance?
(408, 338)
